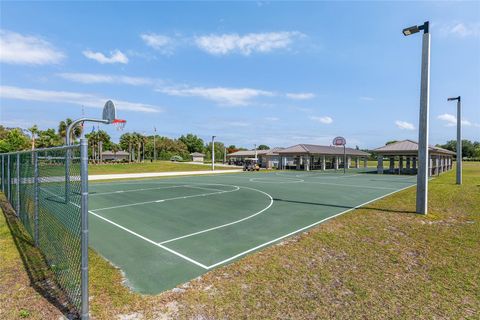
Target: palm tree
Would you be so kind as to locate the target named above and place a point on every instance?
(62, 129)
(33, 131)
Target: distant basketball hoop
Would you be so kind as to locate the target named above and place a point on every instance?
(339, 141)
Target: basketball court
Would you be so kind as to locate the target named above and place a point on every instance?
(164, 232)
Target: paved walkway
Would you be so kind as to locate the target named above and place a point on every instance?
(156, 174)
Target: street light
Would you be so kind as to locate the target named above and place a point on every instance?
(459, 138)
(213, 153)
(154, 145)
(422, 175)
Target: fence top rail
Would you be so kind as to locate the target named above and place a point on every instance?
(64, 147)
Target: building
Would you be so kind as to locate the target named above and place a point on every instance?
(266, 158)
(197, 156)
(315, 157)
(115, 156)
(405, 155)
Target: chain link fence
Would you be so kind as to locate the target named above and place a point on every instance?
(48, 189)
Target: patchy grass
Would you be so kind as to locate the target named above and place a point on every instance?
(382, 261)
(157, 166)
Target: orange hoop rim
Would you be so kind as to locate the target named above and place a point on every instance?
(119, 123)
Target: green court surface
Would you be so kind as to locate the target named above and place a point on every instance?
(164, 232)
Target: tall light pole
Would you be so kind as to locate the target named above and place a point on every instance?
(422, 174)
(255, 148)
(154, 145)
(213, 153)
(459, 138)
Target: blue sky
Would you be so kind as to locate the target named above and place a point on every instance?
(253, 72)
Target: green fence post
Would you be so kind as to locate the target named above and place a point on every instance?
(3, 173)
(84, 213)
(8, 177)
(18, 186)
(35, 197)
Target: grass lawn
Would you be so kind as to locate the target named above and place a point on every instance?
(378, 262)
(158, 166)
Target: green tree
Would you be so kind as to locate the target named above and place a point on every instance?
(390, 142)
(263, 147)
(219, 151)
(193, 143)
(34, 132)
(469, 148)
(48, 138)
(127, 141)
(15, 140)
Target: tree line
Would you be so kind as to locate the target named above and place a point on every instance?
(138, 146)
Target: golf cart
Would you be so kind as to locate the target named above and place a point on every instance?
(251, 164)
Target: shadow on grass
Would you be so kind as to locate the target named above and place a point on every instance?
(39, 274)
(343, 207)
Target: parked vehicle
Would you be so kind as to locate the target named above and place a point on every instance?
(251, 164)
(176, 158)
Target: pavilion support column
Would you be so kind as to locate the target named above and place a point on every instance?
(357, 162)
(349, 159)
(380, 164)
(430, 166)
(392, 165)
(324, 164)
(365, 164)
(336, 163)
(306, 165)
(408, 163)
(299, 162)
(400, 164)
(437, 165)
(414, 163)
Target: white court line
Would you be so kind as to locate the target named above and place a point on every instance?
(168, 199)
(350, 185)
(301, 229)
(150, 241)
(272, 180)
(202, 188)
(134, 190)
(227, 224)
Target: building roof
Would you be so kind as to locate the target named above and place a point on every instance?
(317, 149)
(251, 153)
(408, 147)
(118, 153)
(197, 154)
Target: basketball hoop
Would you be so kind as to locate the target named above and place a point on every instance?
(119, 124)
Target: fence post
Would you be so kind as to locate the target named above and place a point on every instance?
(84, 214)
(36, 188)
(8, 177)
(3, 177)
(18, 185)
(67, 175)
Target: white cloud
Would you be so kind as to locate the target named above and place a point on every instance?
(85, 99)
(300, 96)
(116, 56)
(461, 29)
(365, 98)
(451, 120)
(158, 42)
(21, 49)
(221, 95)
(324, 120)
(90, 78)
(404, 125)
(247, 44)
(272, 119)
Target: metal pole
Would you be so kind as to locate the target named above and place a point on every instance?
(344, 160)
(18, 186)
(3, 173)
(35, 197)
(422, 176)
(84, 225)
(8, 177)
(213, 153)
(224, 155)
(154, 145)
(459, 142)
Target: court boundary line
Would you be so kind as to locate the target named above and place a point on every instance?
(349, 185)
(134, 190)
(149, 240)
(302, 229)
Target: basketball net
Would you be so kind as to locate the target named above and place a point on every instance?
(119, 124)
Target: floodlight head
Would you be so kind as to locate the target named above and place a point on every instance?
(414, 29)
(453, 99)
(410, 30)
